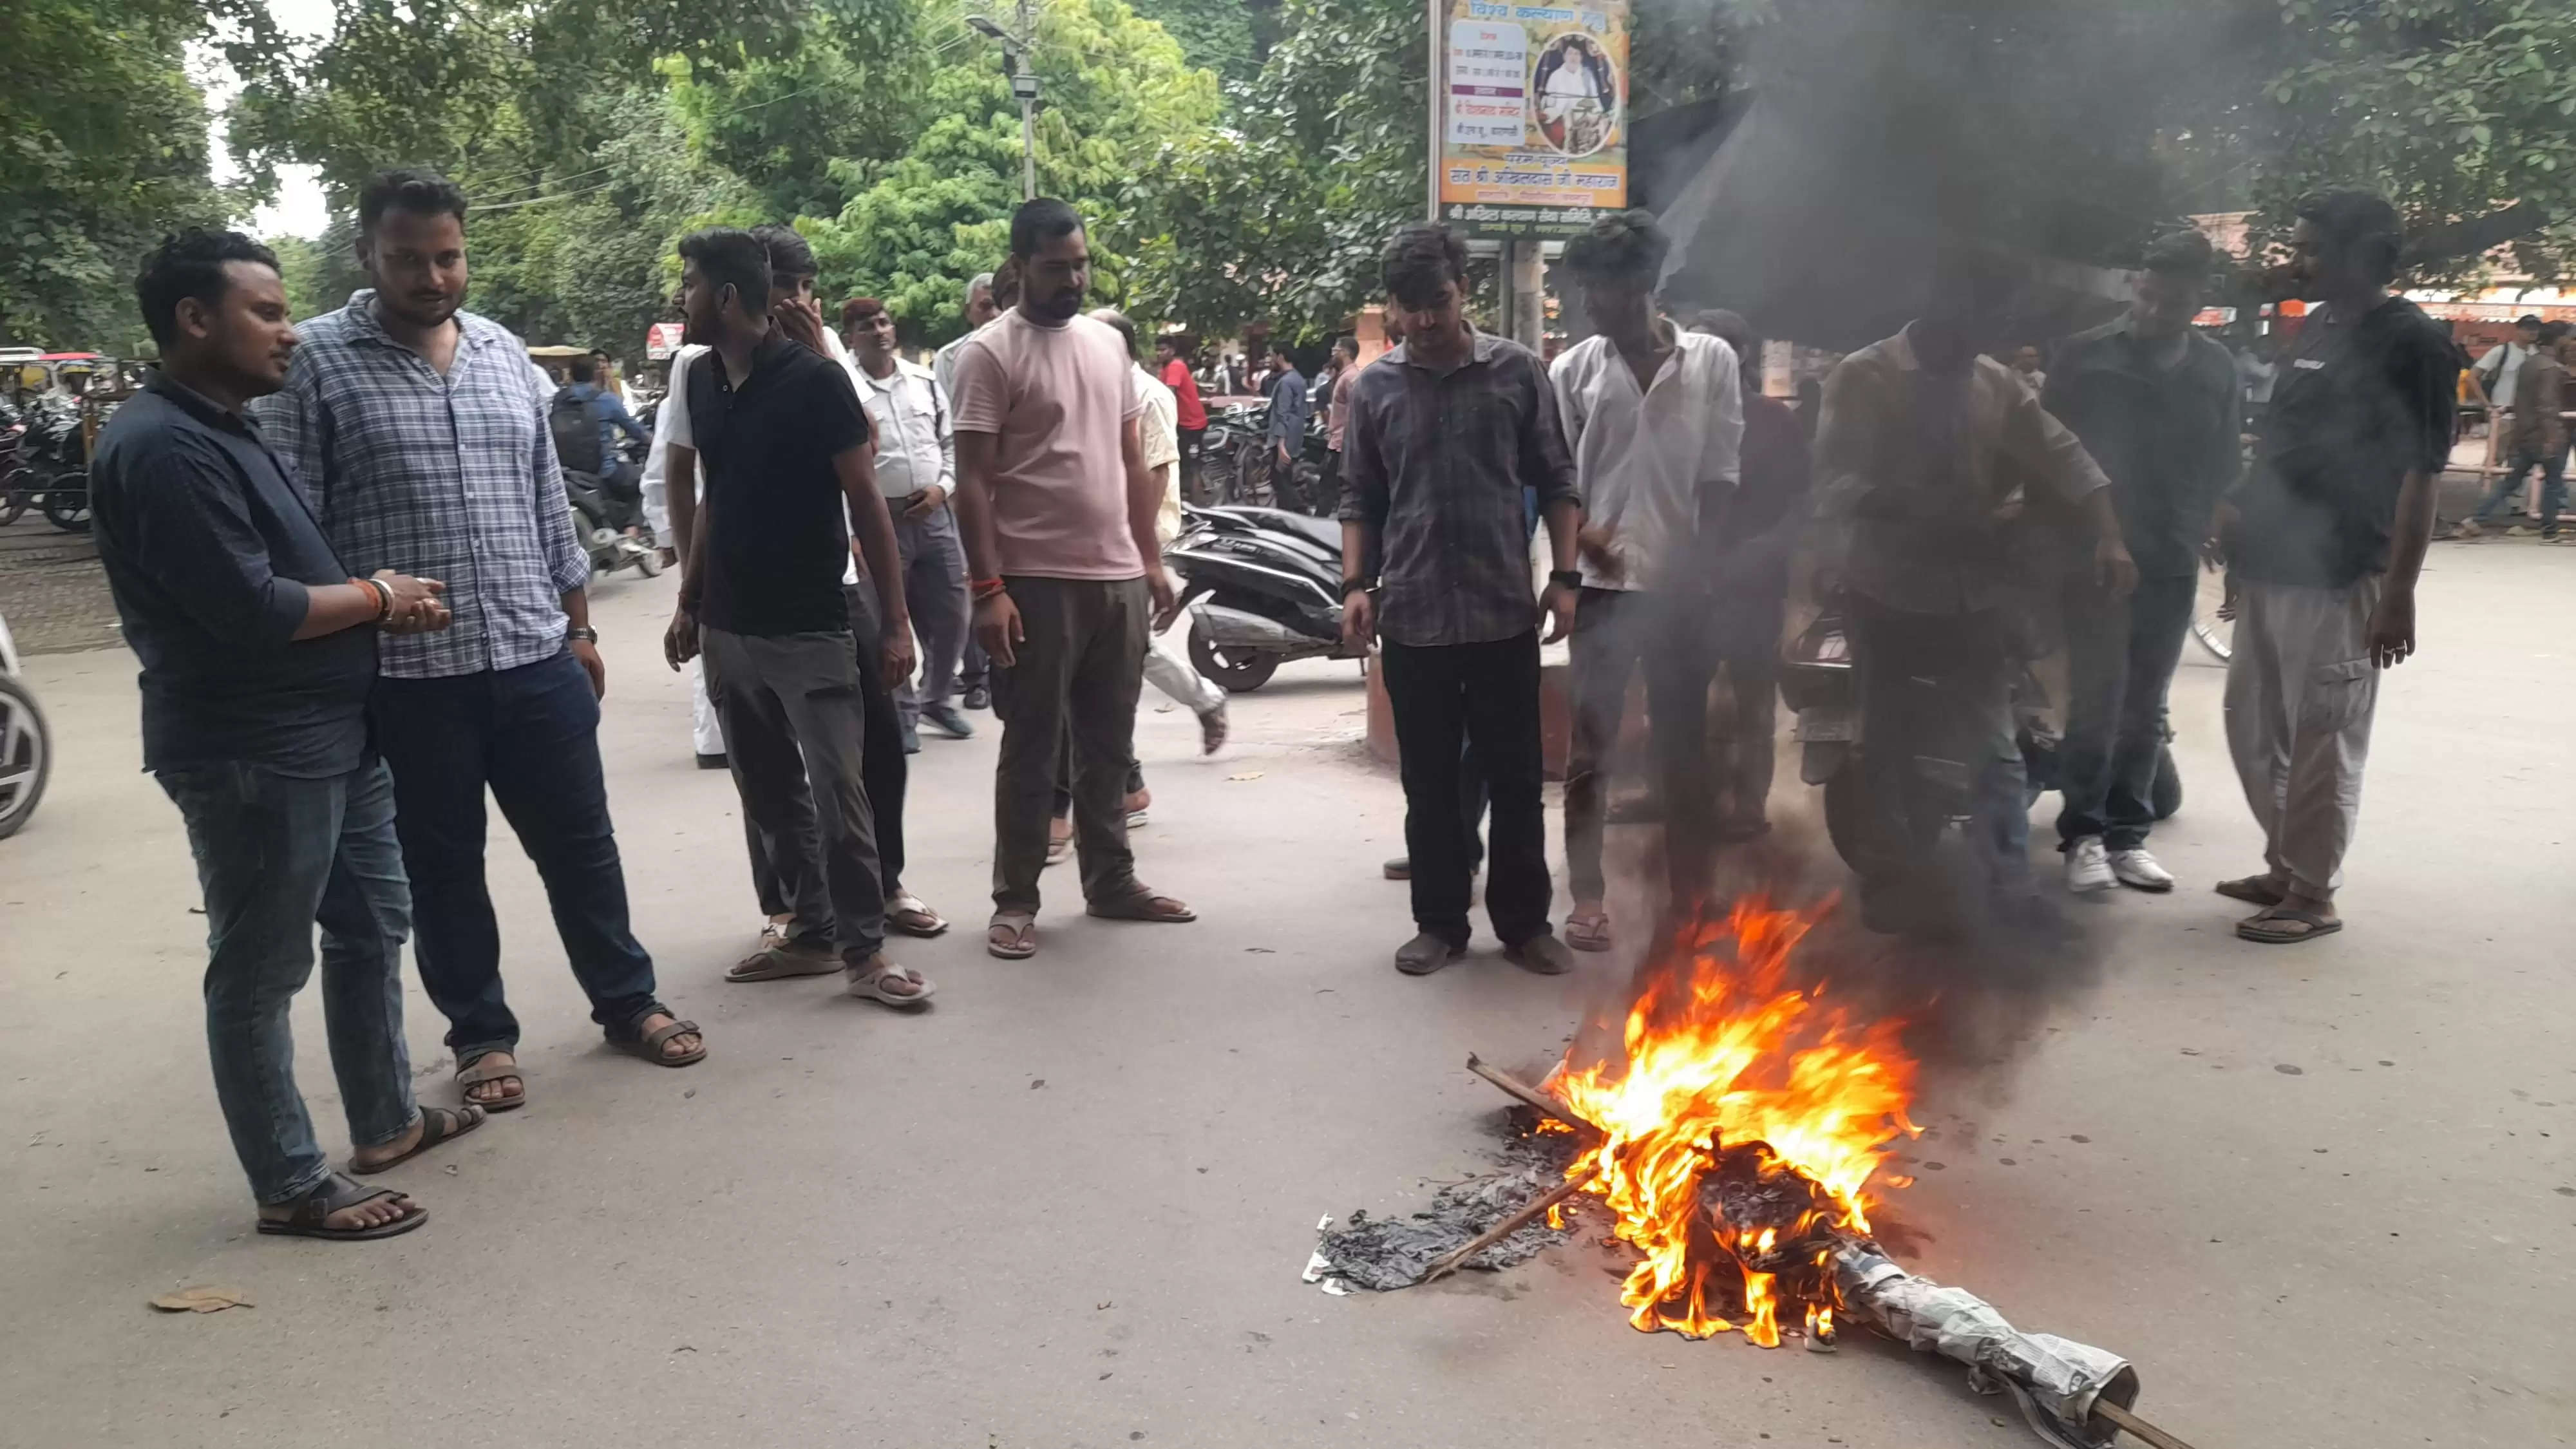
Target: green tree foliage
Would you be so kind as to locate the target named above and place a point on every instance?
(2463, 111)
(1119, 97)
(102, 149)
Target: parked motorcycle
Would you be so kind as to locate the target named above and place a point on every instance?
(1262, 587)
(1818, 683)
(26, 749)
(16, 480)
(56, 458)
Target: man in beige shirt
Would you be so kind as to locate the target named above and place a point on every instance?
(1927, 455)
(1067, 581)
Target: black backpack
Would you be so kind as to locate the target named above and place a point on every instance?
(576, 433)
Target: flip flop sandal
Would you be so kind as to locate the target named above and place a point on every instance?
(1144, 906)
(437, 1125)
(870, 985)
(475, 1073)
(779, 963)
(2251, 929)
(1012, 936)
(648, 1045)
(1589, 931)
(2253, 889)
(907, 914)
(339, 1194)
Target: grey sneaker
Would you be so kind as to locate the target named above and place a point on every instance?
(2088, 866)
(1425, 954)
(948, 721)
(2139, 871)
(1545, 955)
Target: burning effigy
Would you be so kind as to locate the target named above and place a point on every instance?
(1733, 1140)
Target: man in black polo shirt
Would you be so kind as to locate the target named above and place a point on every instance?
(778, 435)
(2325, 537)
(258, 650)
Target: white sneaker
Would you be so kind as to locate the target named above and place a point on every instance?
(2139, 871)
(2088, 867)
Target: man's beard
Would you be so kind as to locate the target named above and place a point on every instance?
(1058, 308)
(408, 310)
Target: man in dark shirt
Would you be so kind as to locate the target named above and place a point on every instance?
(2325, 537)
(1750, 579)
(1445, 432)
(2157, 407)
(1290, 407)
(782, 441)
(258, 649)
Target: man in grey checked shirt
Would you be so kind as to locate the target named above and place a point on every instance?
(1446, 432)
(418, 432)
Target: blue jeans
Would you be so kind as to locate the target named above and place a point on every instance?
(2120, 658)
(276, 854)
(2553, 487)
(531, 735)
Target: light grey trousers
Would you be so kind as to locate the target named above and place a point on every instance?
(2300, 692)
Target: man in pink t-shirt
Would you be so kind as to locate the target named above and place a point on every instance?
(1059, 508)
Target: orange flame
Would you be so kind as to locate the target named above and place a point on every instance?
(1723, 1050)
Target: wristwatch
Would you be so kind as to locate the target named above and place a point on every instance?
(582, 632)
(1570, 578)
(1358, 586)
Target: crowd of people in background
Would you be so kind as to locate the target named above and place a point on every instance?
(391, 621)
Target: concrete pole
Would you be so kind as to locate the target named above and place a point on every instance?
(1525, 277)
(1028, 105)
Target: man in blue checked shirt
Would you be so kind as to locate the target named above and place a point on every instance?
(419, 433)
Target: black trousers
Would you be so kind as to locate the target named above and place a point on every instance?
(1191, 441)
(883, 770)
(1448, 699)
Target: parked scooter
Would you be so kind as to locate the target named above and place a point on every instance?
(26, 748)
(1262, 587)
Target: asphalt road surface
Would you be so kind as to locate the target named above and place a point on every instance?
(2320, 1195)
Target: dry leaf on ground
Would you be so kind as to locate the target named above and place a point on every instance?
(1247, 775)
(201, 1299)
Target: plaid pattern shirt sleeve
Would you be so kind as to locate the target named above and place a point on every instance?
(452, 478)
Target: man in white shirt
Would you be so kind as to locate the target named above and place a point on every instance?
(987, 297)
(1655, 418)
(916, 471)
(1159, 430)
(2502, 365)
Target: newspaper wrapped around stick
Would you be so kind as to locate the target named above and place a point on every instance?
(2057, 1381)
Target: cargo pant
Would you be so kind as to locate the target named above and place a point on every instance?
(2300, 693)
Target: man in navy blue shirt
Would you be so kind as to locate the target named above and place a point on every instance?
(1290, 407)
(258, 650)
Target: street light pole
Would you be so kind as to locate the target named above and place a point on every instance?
(1024, 86)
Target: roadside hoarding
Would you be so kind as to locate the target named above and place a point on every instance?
(661, 340)
(1530, 119)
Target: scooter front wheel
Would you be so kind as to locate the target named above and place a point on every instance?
(1237, 671)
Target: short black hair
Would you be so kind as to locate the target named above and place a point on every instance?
(1040, 221)
(789, 255)
(584, 370)
(2553, 332)
(1347, 345)
(2529, 319)
(602, 354)
(2360, 223)
(727, 256)
(190, 264)
(1622, 246)
(2183, 254)
(422, 193)
(1418, 259)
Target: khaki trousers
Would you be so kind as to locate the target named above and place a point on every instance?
(2300, 692)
